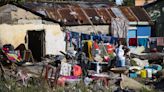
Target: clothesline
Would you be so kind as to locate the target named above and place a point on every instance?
(77, 38)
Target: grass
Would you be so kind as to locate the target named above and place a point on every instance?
(40, 85)
(146, 90)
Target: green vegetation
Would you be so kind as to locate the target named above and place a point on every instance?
(146, 90)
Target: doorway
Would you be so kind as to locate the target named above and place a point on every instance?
(36, 43)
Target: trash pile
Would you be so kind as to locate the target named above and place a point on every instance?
(93, 62)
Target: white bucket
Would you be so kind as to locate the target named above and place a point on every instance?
(149, 73)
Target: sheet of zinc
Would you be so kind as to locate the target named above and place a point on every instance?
(117, 12)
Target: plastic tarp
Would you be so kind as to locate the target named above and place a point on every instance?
(144, 31)
(131, 34)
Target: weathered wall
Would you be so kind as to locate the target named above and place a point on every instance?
(15, 35)
(88, 29)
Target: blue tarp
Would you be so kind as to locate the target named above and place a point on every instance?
(144, 31)
(131, 34)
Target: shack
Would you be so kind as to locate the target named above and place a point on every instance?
(41, 35)
(98, 17)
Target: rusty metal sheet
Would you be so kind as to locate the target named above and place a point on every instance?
(103, 12)
(67, 17)
(111, 13)
(93, 15)
(88, 13)
(53, 14)
(140, 13)
(81, 16)
(128, 14)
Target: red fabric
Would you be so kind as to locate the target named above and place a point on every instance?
(133, 42)
(96, 46)
(77, 71)
(109, 49)
(6, 50)
(106, 58)
(19, 55)
(11, 58)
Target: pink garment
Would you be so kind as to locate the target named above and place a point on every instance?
(61, 81)
(68, 36)
(160, 41)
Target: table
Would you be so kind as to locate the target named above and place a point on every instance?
(119, 70)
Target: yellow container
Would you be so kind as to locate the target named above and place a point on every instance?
(143, 74)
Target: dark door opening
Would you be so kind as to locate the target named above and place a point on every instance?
(36, 43)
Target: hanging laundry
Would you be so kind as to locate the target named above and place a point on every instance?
(160, 41)
(68, 36)
(153, 42)
(98, 37)
(143, 42)
(153, 39)
(75, 38)
(90, 50)
(75, 34)
(95, 44)
(109, 48)
(96, 47)
(132, 41)
(85, 37)
(143, 31)
(74, 42)
(113, 40)
(106, 39)
(65, 69)
(119, 27)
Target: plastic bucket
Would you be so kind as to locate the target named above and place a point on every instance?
(143, 73)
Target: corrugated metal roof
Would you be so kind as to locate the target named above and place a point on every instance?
(111, 13)
(53, 13)
(86, 14)
(93, 15)
(128, 14)
(67, 17)
(81, 16)
(105, 15)
(140, 13)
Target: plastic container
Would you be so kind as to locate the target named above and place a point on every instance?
(149, 73)
(133, 75)
(157, 67)
(143, 73)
